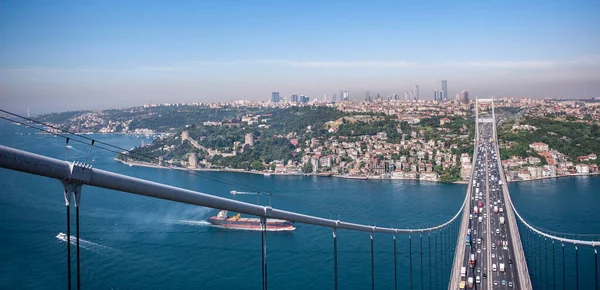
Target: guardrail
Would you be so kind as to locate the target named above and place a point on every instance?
(523, 271)
(461, 244)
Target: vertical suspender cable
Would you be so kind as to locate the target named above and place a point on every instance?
(596, 266)
(263, 222)
(421, 254)
(429, 255)
(335, 260)
(540, 258)
(563, 265)
(395, 266)
(77, 233)
(553, 267)
(410, 261)
(68, 246)
(372, 264)
(546, 258)
(437, 270)
(576, 269)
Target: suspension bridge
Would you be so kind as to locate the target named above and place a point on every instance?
(492, 246)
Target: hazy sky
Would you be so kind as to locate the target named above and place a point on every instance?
(66, 55)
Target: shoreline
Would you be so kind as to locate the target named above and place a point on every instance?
(356, 177)
(558, 176)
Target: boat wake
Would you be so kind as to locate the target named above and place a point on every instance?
(207, 224)
(193, 223)
(254, 229)
(90, 246)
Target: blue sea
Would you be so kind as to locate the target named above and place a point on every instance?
(136, 242)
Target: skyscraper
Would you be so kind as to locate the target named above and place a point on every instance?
(445, 89)
(435, 95)
(368, 96)
(405, 96)
(465, 97)
(275, 97)
(345, 95)
(294, 98)
(416, 92)
(441, 96)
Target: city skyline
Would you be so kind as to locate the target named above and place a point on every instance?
(65, 56)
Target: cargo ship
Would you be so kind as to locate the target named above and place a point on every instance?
(240, 223)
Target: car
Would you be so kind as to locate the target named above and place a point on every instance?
(478, 270)
(484, 276)
(493, 245)
(495, 282)
(510, 261)
(498, 243)
(478, 251)
(497, 231)
(493, 255)
(484, 248)
(503, 282)
(510, 284)
(500, 258)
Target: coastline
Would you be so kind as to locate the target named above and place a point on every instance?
(356, 177)
(558, 176)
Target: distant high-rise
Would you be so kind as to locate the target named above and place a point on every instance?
(406, 96)
(294, 98)
(275, 97)
(465, 97)
(435, 95)
(334, 98)
(368, 96)
(444, 90)
(345, 95)
(416, 92)
(395, 97)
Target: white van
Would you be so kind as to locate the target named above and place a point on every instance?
(494, 267)
(463, 271)
(480, 219)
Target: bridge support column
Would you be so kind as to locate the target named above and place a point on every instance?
(437, 270)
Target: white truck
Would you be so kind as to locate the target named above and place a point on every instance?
(501, 220)
(501, 267)
(463, 271)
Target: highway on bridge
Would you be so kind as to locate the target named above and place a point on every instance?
(487, 262)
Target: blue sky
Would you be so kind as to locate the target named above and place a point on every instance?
(63, 55)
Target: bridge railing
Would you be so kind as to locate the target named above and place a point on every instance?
(460, 243)
(74, 175)
(524, 276)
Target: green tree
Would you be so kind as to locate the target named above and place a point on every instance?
(307, 167)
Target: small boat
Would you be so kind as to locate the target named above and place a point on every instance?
(233, 192)
(240, 223)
